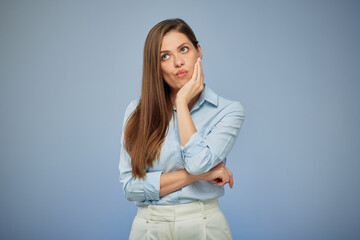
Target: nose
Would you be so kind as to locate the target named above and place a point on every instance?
(178, 60)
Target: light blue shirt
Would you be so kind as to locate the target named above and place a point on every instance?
(217, 121)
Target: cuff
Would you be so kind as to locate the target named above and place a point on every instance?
(195, 145)
(152, 185)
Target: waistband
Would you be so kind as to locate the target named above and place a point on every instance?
(172, 213)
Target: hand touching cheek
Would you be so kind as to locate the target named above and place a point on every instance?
(193, 87)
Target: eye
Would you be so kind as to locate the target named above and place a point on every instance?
(165, 56)
(184, 49)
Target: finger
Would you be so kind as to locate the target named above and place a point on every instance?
(231, 179)
(199, 70)
(217, 180)
(231, 182)
(220, 180)
(221, 183)
(201, 73)
(195, 73)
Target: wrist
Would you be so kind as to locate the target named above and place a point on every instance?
(180, 102)
(192, 178)
(197, 177)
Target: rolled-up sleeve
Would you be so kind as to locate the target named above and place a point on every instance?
(202, 153)
(136, 189)
(152, 185)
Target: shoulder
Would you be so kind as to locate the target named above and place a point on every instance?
(227, 105)
(130, 109)
(230, 105)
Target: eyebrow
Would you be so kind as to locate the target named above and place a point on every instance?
(165, 51)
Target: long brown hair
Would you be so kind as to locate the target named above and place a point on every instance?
(147, 126)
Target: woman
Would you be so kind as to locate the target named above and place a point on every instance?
(175, 141)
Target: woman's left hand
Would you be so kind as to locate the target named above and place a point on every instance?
(194, 86)
(219, 175)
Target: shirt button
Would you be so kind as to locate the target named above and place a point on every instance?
(178, 147)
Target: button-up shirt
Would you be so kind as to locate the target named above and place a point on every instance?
(217, 121)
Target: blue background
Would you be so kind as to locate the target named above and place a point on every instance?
(68, 70)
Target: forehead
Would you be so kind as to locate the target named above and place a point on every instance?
(172, 40)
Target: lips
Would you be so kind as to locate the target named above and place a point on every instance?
(181, 73)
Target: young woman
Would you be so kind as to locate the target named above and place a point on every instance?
(175, 141)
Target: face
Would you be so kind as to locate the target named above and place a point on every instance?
(178, 58)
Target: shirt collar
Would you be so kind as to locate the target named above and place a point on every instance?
(209, 96)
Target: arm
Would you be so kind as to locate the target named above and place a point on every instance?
(136, 189)
(170, 182)
(156, 183)
(173, 181)
(202, 153)
(184, 96)
(148, 189)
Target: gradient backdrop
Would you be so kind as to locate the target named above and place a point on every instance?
(68, 69)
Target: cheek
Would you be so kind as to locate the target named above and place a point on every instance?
(192, 67)
(164, 69)
(193, 60)
(165, 74)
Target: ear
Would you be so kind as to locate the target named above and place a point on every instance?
(200, 55)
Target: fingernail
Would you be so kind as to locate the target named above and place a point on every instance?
(199, 59)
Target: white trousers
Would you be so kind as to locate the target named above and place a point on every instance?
(197, 220)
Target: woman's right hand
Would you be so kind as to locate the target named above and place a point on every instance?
(193, 87)
(219, 175)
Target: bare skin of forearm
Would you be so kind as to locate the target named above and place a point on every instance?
(185, 123)
(170, 182)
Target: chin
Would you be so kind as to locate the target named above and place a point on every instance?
(183, 82)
